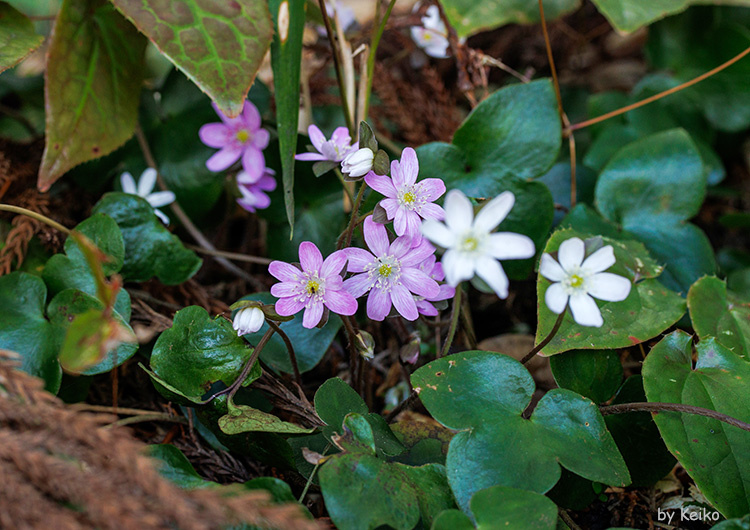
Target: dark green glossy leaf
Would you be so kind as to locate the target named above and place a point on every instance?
(647, 311)
(150, 249)
(734, 524)
(219, 45)
(629, 15)
(94, 75)
(242, 418)
(198, 351)
(17, 36)
(595, 374)
(425, 442)
(175, 467)
(502, 507)
(286, 58)
(713, 453)
(482, 395)
(26, 331)
(715, 312)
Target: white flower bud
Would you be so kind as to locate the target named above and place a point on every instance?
(248, 320)
(358, 163)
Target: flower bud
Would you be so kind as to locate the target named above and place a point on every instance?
(248, 320)
(358, 163)
(365, 345)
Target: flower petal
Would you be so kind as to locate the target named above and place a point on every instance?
(359, 258)
(458, 267)
(333, 264)
(403, 301)
(400, 222)
(381, 184)
(426, 308)
(289, 306)
(253, 162)
(400, 246)
(608, 286)
(418, 254)
(285, 289)
(214, 135)
(146, 182)
(224, 118)
(438, 233)
(313, 314)
(341, 302)
(585, 311)
(551, 269)
(509, 245)
(413, 224)
(128, 183)
(284, 271)
(459, 212)
(251, 116)
(571, 253)
(419, 283)
(376, 237)
(260, 139)
(225, 157)
(492, 272)
(316, 137)
(160, 198)
(390, 206)
(161, 215)
(432, 211)
(555, 298)
(341, 137)
(358, 285)
(310, 157)
(601, 260)
(431, 188)
(493, 213)
(409, 166)
(310, 257)
(378, 304)
(396, 175)
(444, 293)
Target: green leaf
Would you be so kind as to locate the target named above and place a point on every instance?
(470, 17)
(219, 45)
(175, 467)
(594, 374)
(713, 453)
(17, 36)
(150, 249)
(502, 507)
(629, 15)
(635, 431)
(198, 351)
(425, 442)
(286, 59)
(72, 271)
(80, 314)
(734, 524)
(25, 329)
(649, 309)
(715, 312)
(94, 74)
(242, 418)
(310, 345)
(482, 395)
(650, 188)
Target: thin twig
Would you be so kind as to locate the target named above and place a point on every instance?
(337, 67)
(353, 354)
(85, 407)
(568, 520)
(352, 220)
(236, 256)
(401, 407)
(487, 59)
(152, 417)
(672, 407)
(551, 60)
(143, 295)
(290, 349)
(546, 340)
(454, 323)
(34, 215)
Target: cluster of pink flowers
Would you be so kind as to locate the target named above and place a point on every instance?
(242, 138)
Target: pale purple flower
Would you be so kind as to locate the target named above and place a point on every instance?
(240, 137)
(433, 269)
(576, 280)
(390, 272)
(144, 189)
(253, 189)
(432, 36)
(334, 150)
(407, 201)
(470, 246)
(317, 284)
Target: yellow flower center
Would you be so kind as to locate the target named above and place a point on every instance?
(385, 270)
(409, 197)
(243, 136)
(312, 287)
(469, 244)
(576, 281)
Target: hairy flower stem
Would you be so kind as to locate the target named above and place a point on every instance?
(347, 239)
(374, 42)
(454, 323)
(290, 349)
(335, 49)
(34, 215)
(546, 339)
(351, 330)
(672, 407)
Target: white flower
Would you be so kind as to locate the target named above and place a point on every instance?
(358, 163)
(577, 280)
(432, 35)
(470, 247)
(144, 188)
(248, 320)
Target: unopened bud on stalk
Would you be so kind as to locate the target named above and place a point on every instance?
(365, 345)
(248, 320)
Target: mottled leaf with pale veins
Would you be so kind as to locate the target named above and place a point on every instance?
(94, 74)
(218, 44)
(17, 37)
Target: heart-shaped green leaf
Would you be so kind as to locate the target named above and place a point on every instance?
(713, 453)
(17, 36)
(482, 395)
(242, 418)
(647, 311)
(650, 188)
(94, 74)
(502, 507)
(150, 249)
(509, 138)
(715, 312)
(594, 374)
(218, 44)
(174, 466)
(26, 331)
(629, 15)
(198, 351)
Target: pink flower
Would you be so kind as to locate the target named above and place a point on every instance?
(317, 284)
(253, 189)
(240, 137)
(408, 200)
(334, 149)
(390, 272)
(434, 270)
